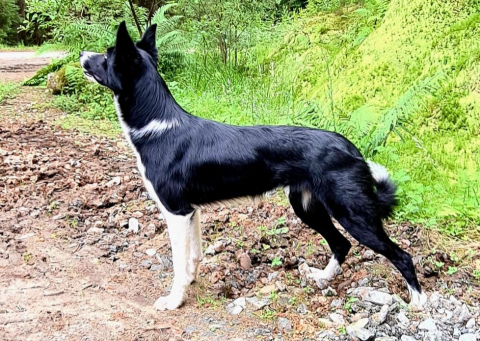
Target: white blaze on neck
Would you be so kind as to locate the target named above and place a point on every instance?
(155, 127)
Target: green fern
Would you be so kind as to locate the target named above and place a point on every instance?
(41, 75)
(169, 40)
(395, 119)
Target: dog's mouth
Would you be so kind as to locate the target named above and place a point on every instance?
(90, 75)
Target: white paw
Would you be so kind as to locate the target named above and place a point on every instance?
(317, 274)
(170, 302)
(417, 300)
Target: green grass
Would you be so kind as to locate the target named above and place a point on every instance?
(17, 48)
(7, 90)
(102, 128)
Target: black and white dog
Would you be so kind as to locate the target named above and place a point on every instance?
(187, 162)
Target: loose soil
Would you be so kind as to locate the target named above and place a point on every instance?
(70, 269)
(17, 66)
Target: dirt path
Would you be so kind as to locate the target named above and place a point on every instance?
(18, 66)
(71, 269)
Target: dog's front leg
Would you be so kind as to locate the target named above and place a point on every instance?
(196, 253)
(179, 230)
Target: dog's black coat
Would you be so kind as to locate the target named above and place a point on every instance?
(198, 161)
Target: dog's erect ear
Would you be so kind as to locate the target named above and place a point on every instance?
(125, 50)
(148, 43)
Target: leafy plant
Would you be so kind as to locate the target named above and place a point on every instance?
(9, 21)
(452, 270)
(276, 262)
(348, 303)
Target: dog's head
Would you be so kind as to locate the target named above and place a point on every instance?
(123, 63)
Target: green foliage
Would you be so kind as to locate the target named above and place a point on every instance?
(225, 27)
(9, 21)
(7, 90)
(276, 262)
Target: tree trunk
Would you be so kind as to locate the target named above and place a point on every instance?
(222, 45)
(21, 11)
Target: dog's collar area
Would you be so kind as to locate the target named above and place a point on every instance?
(153, 128)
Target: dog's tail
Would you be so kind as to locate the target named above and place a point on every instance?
(386, 189)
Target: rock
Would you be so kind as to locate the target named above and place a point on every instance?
(468, 337)
(210, 250)
(403, 319)
(218, 246)
(434, 336)
(326, 324)
(137, 214)
(237, 306)
(165, 262)
(407, 338)
(267, 290)
(241, 301)
(302, 309)
(428, 324)
(56, 81)
(258, 303)
(456, 332)
(321, 283)
(462, 314)
(149, 232)
(272, 276)
(146, 263)
(133, 225)
(358, 316)
(95, 230)
(280, 286)
(363, 282)
(386, 338)
(245, 261)
(304, 269)
(115, 181)
(262, 331)
(434, 299)
(470, 324)
(357, 330)
(336, 303)
(368, 255)
(370, 295)
(151, 252)
(337, 318)
(329, 292)
(380, 317)
(284, 324)
(190, 329)
(343, 285)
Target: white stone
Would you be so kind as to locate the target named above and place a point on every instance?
(133, 225)
(428, 324)
(151, 252)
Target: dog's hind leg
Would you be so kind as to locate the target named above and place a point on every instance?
(313, 213)
(179, 230)
(196, 254)
(355, 208)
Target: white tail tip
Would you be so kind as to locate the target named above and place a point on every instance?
(379, 172)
